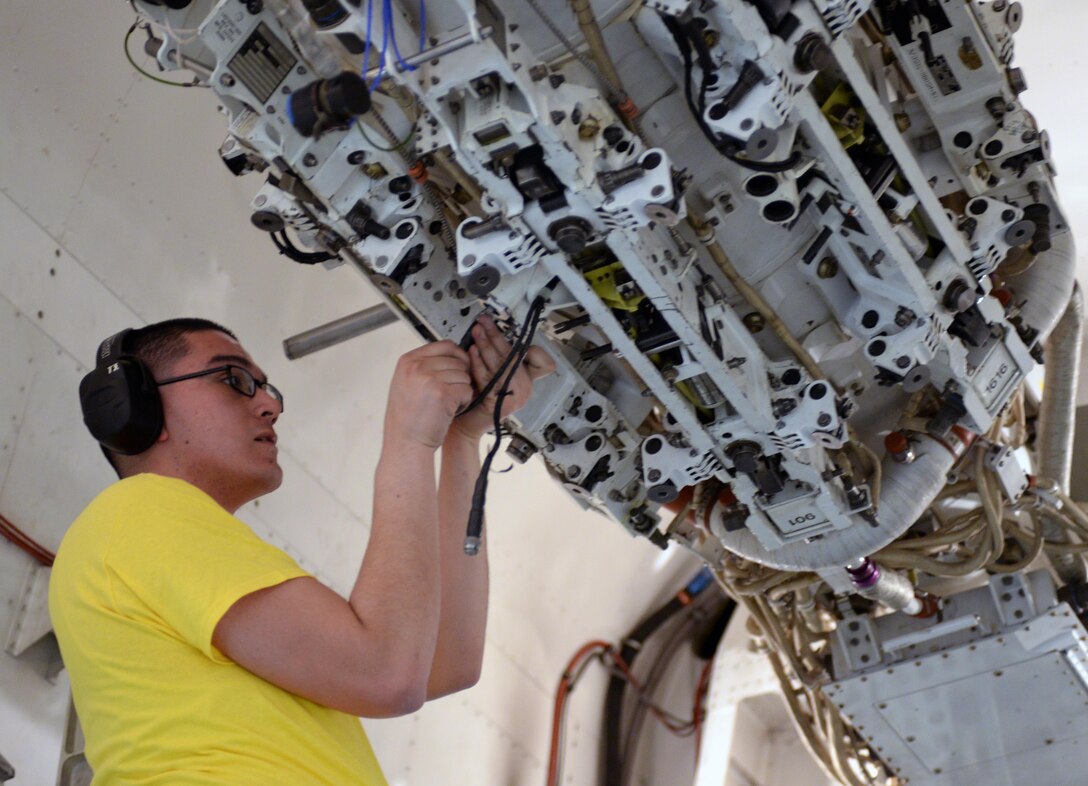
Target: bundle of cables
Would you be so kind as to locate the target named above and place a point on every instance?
(522, 342)
(389, 36)
(689, 616)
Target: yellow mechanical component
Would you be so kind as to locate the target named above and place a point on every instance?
(603, 281)
(846, 116)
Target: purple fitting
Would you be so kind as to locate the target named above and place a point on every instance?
(865, 575)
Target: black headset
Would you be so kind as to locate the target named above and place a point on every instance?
(120, 400)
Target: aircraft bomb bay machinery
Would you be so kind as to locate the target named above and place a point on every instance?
(794, 260)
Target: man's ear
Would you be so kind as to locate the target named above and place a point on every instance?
(164, 435)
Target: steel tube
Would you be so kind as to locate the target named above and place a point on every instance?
(338, 331)
(445, 48)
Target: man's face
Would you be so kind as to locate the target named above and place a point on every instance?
(221, 439)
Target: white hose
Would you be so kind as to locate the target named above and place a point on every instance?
(1057, 414)
(1044, 288)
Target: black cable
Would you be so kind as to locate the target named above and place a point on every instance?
(290, 250)
(684, 39)
(676, 636)
(613, 702)
(767, 166)
(128, 55)
(517, 353)
(479, 397)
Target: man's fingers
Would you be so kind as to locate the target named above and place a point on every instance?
(492, 346)
(538, 363)
(445, 348)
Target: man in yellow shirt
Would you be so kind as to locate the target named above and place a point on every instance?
(199, 654)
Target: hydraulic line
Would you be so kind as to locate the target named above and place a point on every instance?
(699, 612)
(632, 644)
(706, 235)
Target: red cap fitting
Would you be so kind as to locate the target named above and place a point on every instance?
(899, 448)
(418, 171)
(896, 442)
(628, 109)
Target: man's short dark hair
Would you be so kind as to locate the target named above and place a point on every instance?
(161, 344)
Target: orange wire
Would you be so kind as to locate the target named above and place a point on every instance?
(563, 690)
(26, 543)
(697, 712)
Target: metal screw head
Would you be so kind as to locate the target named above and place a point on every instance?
(828, 267)
(653, 475)
(309, 160)
(356, 157)
(226, 80)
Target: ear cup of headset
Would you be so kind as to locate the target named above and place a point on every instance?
(121, 405)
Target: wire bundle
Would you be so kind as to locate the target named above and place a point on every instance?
(509, 367)
(389, 35)
(675, 629)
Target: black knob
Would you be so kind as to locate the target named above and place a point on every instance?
(813, 54)
(327, 103)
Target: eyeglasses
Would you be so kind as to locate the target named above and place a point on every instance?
(237, 377)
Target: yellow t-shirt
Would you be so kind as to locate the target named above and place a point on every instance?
(141, 580)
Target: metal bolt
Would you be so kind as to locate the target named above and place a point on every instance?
(653, 475)
(309, 160)
(754, 321)
(375, 171)
(226, 80)
(356, 157)
(828, 267)
(574, 471)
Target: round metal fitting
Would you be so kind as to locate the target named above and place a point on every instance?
(828, 267)
(754, 321)
(482, 280)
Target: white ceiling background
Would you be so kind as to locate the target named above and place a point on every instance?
(115, 211)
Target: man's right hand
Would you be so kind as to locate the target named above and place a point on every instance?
(430, 384)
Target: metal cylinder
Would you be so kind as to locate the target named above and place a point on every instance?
(444, 48)
(886, 587)
(337, 331)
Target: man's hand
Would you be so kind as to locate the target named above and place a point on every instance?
(487, 353)
(430, 384)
